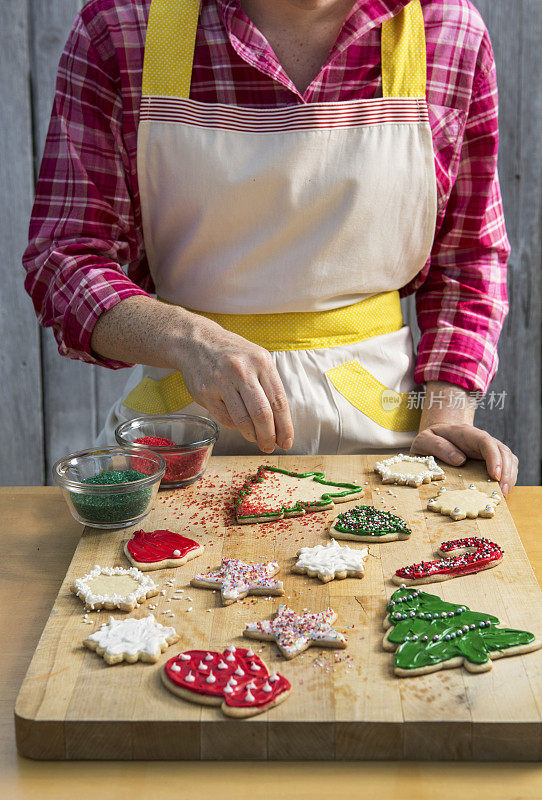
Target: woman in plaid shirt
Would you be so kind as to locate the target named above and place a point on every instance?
(276, 174)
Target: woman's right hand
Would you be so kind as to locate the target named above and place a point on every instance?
(237, 382)
(234, 379)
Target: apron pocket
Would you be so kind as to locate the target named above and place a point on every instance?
(159, 396)
(389, 409)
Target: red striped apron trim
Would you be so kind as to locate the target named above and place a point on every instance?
(309, 116)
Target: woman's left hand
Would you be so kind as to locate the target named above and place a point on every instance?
(447, 432)
(454, 443)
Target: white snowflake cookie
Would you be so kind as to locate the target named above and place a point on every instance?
(462, 503)
(409, 470)
(114, 587)
(131, 640)
(331, 561)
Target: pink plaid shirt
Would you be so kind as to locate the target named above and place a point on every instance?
(86, 250)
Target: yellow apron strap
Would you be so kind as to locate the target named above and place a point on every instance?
(169, 47)
(387, 408)
(171, 35)
(404, 66)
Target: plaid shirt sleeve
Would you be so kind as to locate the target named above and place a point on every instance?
(462, 304)
(82, 229)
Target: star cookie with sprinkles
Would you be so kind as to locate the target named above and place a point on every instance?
(476, 554)
(368, 524)
(274, 493)
(294, 633)
(463, 503)
(409, 470)
(236, 579)
(331, 561)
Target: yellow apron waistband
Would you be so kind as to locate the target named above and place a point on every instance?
(313, 330)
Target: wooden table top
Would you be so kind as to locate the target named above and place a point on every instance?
(30, 575)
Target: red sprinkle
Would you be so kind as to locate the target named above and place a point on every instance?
(180, 466)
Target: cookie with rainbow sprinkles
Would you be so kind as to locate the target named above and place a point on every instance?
(369, 524)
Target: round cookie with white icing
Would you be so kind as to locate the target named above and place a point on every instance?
(462, 503)
(409, 470)
(114, 587)
(131, 640)
(331, 561)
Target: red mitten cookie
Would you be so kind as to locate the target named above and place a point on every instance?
(237, 680)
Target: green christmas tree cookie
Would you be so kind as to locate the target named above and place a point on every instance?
(274, 493)
(369, 524)
(428, 634)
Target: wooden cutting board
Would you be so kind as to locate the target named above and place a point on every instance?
(345, 704)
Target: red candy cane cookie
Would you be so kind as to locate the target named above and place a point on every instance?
(475, 554)
(237, 680)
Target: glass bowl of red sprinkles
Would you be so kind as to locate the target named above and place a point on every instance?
(110, 487)
(185, 441)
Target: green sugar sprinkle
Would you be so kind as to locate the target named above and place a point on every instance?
(112, 508)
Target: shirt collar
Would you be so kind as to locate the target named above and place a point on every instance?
(253, 47)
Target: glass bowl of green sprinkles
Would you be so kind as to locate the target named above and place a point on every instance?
(110, 487)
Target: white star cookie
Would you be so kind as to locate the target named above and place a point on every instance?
(409, 470)
(131, 640)
(461, 503)
(331, 561)
(114, 587)
(293, 632)
(236, 579)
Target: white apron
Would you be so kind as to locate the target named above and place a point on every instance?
(295, 227)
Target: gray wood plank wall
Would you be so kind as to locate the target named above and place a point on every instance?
(50, 406)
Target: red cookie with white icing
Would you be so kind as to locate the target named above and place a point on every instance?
(476, 554)
(160, 549)
(237, 680)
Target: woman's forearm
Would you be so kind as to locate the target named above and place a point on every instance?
(234, 379)
(141, 330)
(445, 402)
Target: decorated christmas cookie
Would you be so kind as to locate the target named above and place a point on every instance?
(236, 579)
(409, 470)
(331, 561)
(293, 632)
(368, 524)
(274, 493)
(429, 634)
(476, 554)
(114, 587)
(131, 640)
(237, 680)
(150, 550)
(461, 503)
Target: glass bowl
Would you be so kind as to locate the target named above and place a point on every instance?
(110, 505)
(186, 460)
